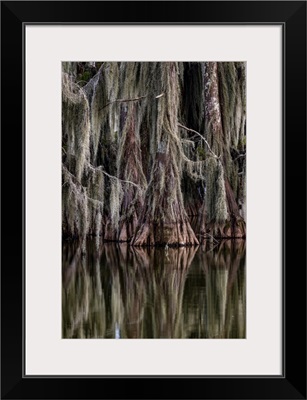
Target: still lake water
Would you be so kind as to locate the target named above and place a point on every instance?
(120, 292)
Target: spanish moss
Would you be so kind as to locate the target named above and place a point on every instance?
(153, 153)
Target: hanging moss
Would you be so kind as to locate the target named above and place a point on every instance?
(164, 219)
(145, 145)
(215, 192)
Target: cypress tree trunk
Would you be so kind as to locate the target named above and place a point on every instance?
(223, 216)
(232, 82)
(215, 185)
(146, 147)
(130, 169)
(164, 220)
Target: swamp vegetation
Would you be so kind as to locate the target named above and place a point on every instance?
(153, 153)
(153, 199)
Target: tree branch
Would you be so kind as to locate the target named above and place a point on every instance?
(197, 133)
(114, 177)
(121, 101)
(126, 100)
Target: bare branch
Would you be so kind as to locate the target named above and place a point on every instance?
(197, 133)
(126, 100)
(114, 177)
(122, 101)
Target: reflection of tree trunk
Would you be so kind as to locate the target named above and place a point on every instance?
(167, 291)
(134, 292)
(220, 311)
(72, 266)
(235, 261)
(82, 297)
(161, 277)
(133, 295)
(236, 307)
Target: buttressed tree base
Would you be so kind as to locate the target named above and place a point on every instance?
(154, 153)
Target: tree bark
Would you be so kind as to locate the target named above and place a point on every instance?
(164, 220)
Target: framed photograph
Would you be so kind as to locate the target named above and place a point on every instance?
(158, 150)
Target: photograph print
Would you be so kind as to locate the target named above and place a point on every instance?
(154, 200)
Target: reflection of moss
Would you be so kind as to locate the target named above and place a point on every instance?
(166, 299)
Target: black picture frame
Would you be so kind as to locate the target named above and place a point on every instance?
(292, 383)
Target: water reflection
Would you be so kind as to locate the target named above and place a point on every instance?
(117, 291)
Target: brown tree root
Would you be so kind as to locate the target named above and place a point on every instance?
(172, 235)
(230, 229)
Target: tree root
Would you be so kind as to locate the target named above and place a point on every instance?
(172, 235)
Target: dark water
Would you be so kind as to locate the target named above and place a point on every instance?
(116, 291)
